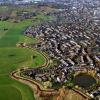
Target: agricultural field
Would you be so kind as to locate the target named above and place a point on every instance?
(12, 58)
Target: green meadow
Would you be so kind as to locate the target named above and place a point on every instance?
(12, 58)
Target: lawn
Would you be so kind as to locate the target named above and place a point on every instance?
(27, 40)
(13, 33)
(12, 58)
(12, 92)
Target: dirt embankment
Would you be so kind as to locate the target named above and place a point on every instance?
(49, 94)
(41, 93)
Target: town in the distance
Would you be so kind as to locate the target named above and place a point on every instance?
(50, 49)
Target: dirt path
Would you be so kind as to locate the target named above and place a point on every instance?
(37, 88)
(39, 91)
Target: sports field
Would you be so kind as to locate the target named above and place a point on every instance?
(12, 58)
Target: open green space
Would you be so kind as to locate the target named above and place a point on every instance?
(12, 58)
(13, 33)
(12, 92)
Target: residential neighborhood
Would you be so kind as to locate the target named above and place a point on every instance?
(72, 39)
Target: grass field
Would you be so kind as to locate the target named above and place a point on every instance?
(12, 58)
(18, 57)
(13, 33)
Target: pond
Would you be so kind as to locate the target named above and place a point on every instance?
(84, 81)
